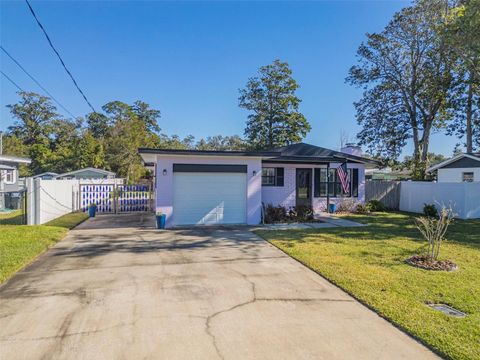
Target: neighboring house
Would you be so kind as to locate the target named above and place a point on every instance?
(46, 176)
(9, 179)
(86, 174)
(229, 187)
(460, 168)
(387, 174)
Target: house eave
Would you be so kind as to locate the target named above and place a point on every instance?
(320, 160)
(14, 159)
(452, 160)
(260, 154)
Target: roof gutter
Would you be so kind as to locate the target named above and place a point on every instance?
(207, 152)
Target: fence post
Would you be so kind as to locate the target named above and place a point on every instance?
(30, 195)
(38, 206)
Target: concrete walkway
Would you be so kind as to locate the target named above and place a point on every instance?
(117, 289)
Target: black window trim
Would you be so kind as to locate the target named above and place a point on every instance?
(354, 180)
(279, 176)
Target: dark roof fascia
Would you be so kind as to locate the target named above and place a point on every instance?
(300, 160)
(312, 162)
(318, 160)
(359, 159)
(207, 152)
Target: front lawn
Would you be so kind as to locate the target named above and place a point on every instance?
(20, 244)
(15, 217)
(368, 262)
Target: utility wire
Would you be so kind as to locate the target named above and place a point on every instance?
(13, 82)
(36, 81)
(58, 55)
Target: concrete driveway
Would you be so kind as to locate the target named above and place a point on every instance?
(117, 289)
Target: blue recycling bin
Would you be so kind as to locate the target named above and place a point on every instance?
(92, 209)
(161, 219)
(332, 208)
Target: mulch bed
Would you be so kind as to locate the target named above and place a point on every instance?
(427, 263)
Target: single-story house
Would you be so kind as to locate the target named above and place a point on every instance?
(9, 175)
(9, 179)
(86, 174)
(461, 168)
(229, 187)
(46, 175)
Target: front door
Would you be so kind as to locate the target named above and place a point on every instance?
(304, 187)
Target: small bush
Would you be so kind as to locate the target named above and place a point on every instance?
(376, 206)
(275, 214)
(346, 205)
(301, 213)
(430, 210)
(362, 209)
(433, 229)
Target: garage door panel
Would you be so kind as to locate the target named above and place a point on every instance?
(209, 198)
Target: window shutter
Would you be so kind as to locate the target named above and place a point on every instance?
(280, 176)
(355, 182)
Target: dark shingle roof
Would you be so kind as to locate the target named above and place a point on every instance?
(302, 152)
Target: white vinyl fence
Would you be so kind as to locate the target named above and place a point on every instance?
(49, 199)
(463, 198)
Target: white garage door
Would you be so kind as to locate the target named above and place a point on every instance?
(209, 198)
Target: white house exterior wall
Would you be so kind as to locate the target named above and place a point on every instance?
(165, 183)
(455, 174)
(285, 195)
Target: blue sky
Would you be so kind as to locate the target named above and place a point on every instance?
(189, 59)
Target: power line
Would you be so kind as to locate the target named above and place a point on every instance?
(58, 55)
(13, 82)
(36, 81)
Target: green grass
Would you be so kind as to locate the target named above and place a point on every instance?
(20, 244)
(68, 221)
(368, 262)
(11, 218)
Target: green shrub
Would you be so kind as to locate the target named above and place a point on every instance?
(362, 208)
(275, 214)
(301, 213)
(430, 210)
(376, 206)
(346, 205)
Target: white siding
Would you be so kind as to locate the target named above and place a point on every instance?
(455, 174)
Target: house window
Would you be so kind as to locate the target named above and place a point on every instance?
(467, 177)
(9, 176)
(272, 176)
(333, 185)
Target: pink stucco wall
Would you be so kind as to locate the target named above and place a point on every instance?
(164, 185)
(285, 195)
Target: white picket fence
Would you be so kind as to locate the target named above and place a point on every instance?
(463, 198)
(49, 199)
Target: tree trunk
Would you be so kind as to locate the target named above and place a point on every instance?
(416, 148)
(425, 145)
(468, 132)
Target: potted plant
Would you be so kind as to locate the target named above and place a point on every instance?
(161, 219)
(92, 209)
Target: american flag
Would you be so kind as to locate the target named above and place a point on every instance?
(343, 175)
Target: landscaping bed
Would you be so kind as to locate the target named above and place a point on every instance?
(370, 263)
(20, 244)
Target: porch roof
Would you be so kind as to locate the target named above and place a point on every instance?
(302, 153)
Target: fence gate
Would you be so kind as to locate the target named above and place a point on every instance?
(133, 198)
(113, 198)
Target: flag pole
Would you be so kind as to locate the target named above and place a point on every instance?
(328, 187)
